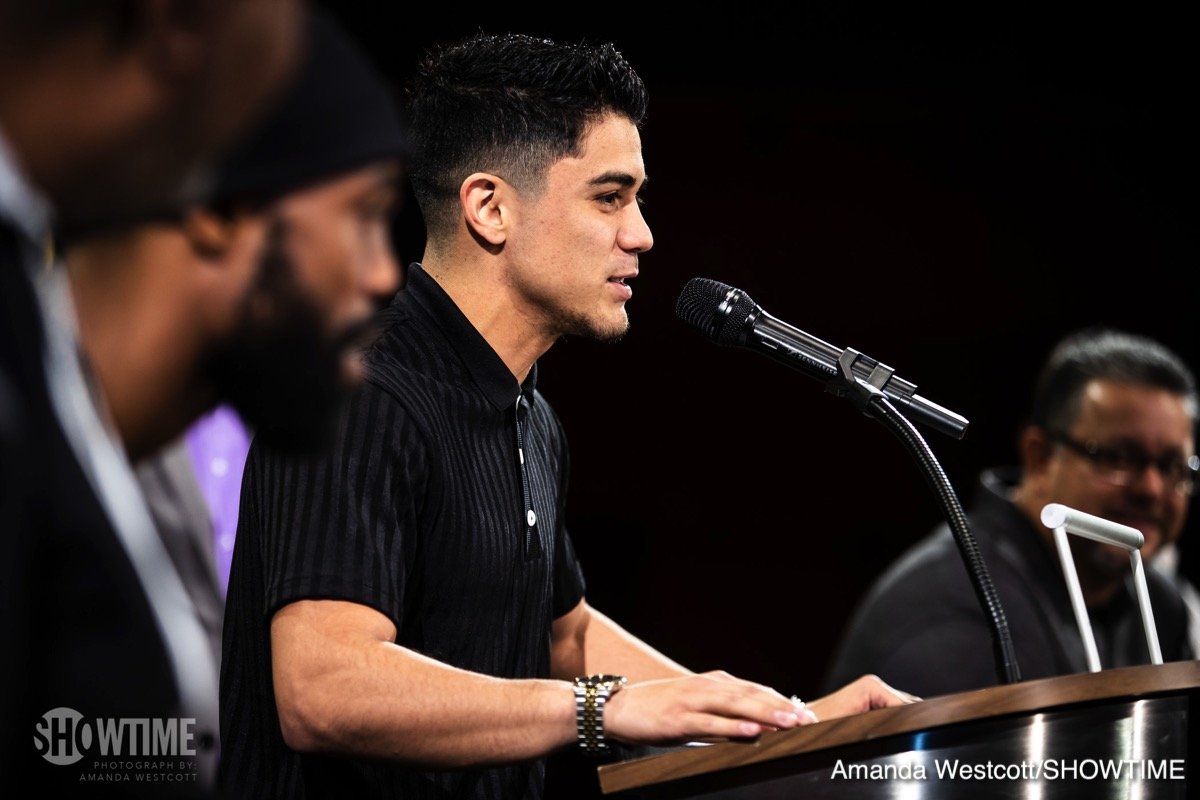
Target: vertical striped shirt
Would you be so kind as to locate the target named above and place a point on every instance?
(441, 506)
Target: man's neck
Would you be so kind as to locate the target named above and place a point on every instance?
(495, 309)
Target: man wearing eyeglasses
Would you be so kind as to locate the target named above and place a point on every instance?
(1110, 433)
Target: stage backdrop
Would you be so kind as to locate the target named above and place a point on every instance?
(948, 194)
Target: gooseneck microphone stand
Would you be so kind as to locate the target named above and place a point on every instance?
(729, 317)
(869, 398)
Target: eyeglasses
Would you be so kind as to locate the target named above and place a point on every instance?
(1122, 464)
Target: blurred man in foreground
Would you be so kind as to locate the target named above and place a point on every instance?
(259, 296)
(108, 111)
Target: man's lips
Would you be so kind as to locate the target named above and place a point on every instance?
(619, 282)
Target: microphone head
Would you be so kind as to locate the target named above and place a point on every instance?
(715, 309)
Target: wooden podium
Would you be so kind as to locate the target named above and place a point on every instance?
(1120, 733)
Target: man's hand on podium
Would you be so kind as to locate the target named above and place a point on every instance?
(863, 694)
(712, 705)
(716, 706)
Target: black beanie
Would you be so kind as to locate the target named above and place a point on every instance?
(335, 117)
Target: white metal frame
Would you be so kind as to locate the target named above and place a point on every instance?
(1063, 520)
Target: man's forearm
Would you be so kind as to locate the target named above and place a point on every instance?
(344, 693)
(343, 686)
(586, 642)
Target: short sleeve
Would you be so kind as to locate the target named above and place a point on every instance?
(342, 524)
(569, 586)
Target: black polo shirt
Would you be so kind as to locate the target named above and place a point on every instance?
(422, 511)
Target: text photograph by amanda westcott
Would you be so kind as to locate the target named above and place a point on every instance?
(118, 750)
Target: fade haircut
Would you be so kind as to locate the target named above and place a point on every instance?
(1108, 355)
(510, 105)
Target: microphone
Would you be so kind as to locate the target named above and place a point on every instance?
(730, 318)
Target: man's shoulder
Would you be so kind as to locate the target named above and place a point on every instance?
(412, 361)
(398, 382)
(931, 575)
(935, 553)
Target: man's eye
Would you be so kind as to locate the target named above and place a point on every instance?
(1114, 458)
(1118, 459)
(610, 199)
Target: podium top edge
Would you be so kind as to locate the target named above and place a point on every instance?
(1025, 697)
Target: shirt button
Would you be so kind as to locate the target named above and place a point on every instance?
(219, 467)
(531, 517)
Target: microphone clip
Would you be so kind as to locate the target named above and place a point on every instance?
(858, 391)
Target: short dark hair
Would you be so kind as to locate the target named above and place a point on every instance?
(512, 105)
(1109, 355)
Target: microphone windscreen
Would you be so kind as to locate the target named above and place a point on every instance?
(699, 305)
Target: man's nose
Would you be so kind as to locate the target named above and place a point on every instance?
(382, 277)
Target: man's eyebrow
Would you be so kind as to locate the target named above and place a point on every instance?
(623, 179)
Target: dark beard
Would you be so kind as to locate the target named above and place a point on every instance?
(568, 325)
(278, 367)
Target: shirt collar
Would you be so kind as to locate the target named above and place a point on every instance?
(20, 202)
(487, 369)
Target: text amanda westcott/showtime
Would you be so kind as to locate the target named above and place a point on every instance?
(1049, 769)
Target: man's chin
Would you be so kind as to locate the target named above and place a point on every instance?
(1103, 561)
(608, 330)
(1153, 541)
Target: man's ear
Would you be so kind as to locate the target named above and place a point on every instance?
(1035, 449)
(486, 205)
(209, 234)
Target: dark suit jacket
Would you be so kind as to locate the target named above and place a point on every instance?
(921, 629)
(77, 628)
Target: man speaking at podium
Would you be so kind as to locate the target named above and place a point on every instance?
(406, 613)
(1110, 433)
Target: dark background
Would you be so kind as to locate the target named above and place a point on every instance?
(948, 192)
